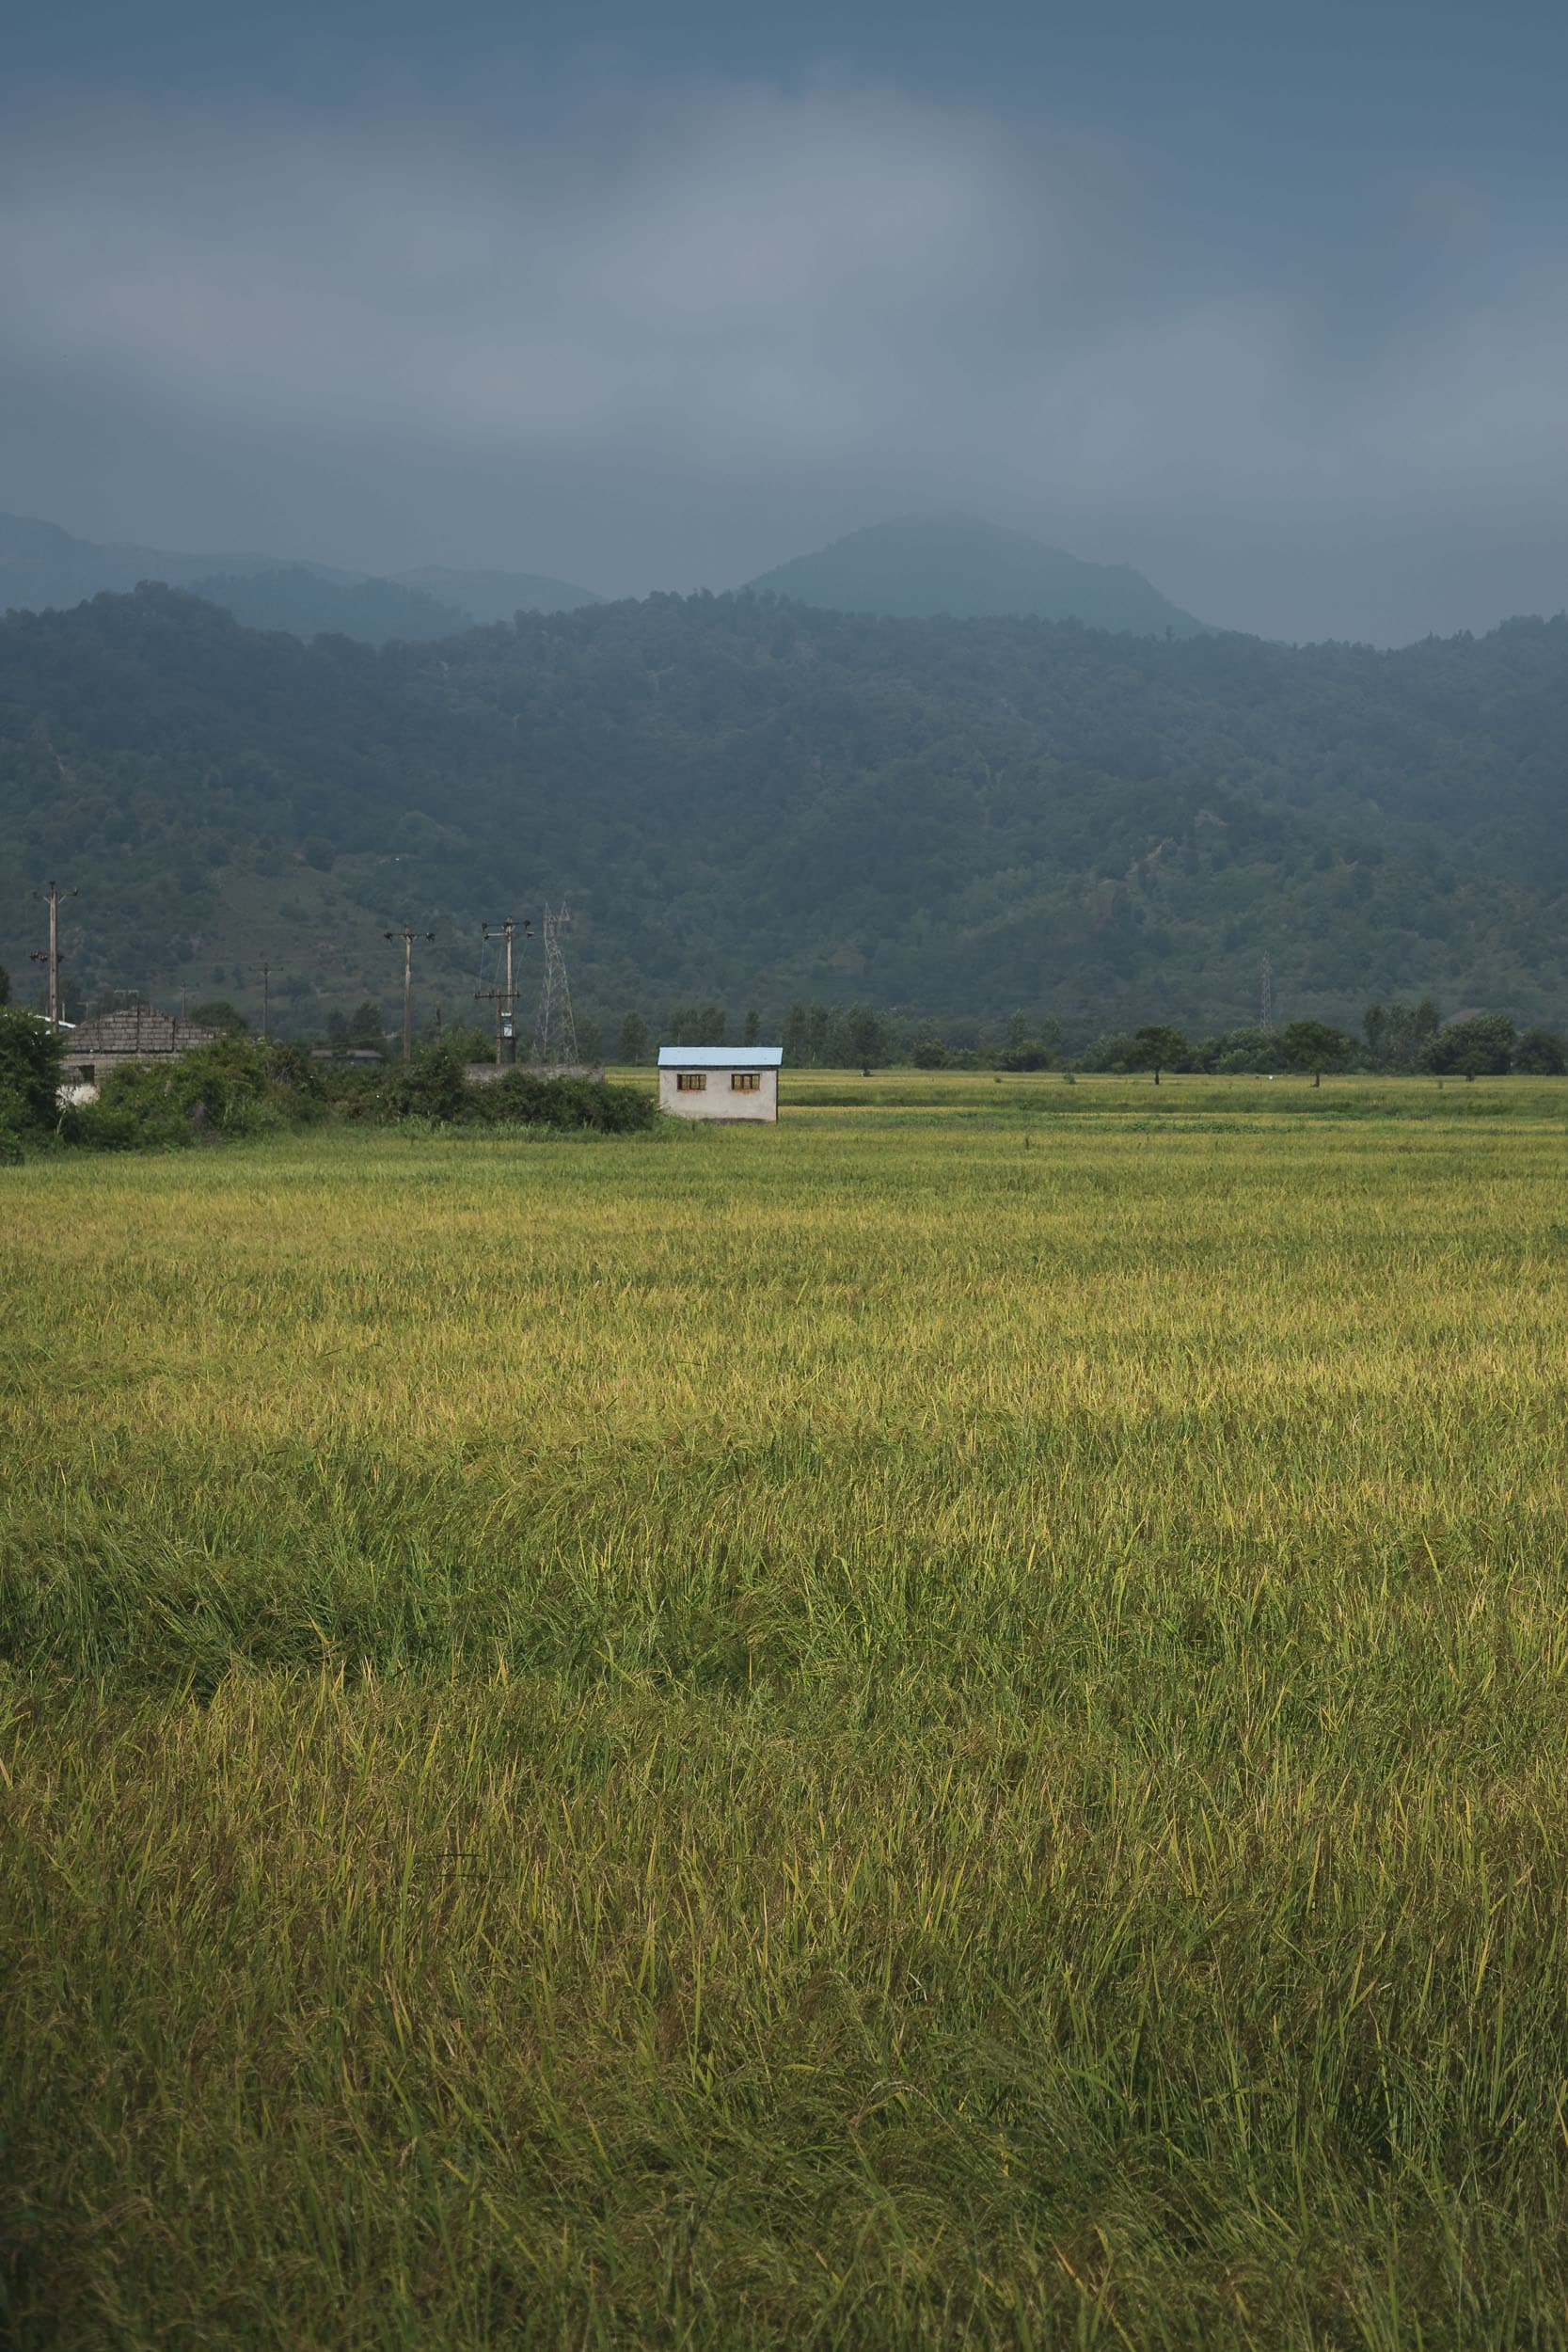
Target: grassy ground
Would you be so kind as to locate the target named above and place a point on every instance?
(943, 1725)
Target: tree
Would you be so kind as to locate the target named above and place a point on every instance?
(1481, 1047)
(633, 1041)
(1158, 1047)
(1023, 1051)
(1397, 1034)
(795, 1036)
(752, 1032)
(1109, 1054)
(1540, 1054)
(5, 986)
(697, 1025)
(865, 1036)
(219, 1013)
(1314, 1045)
(365, 1027)
(1374, 1028)
(929, 1051)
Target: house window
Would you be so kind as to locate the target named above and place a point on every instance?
(691, 1081)
(745, 1081)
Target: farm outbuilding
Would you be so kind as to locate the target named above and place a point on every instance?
(720, 1081)
(135, 1034)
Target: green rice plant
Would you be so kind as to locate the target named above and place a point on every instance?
(937, 1726)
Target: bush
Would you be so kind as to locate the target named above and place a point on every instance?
(30, 1057)
(433, 1087)
(521, 1099)
(1538, 1054)
(230, 1089)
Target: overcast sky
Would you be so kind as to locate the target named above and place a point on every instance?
(1273, 304)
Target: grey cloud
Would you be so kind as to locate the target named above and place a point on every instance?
(689, 331)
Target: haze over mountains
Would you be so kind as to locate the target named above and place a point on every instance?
(42, 567)
(917, 565)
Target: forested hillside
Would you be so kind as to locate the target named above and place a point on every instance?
(751, 801)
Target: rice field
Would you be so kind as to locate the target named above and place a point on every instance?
(943, 1725)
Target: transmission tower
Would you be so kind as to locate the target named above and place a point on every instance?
(555, 1035)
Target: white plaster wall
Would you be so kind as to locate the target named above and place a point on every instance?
(719, 1100)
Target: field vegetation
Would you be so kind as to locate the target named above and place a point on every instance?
(944, 1724)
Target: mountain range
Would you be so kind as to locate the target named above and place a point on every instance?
(753, 801)
(42, 567)
(918, 564)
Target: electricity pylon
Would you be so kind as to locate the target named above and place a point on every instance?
(555, 1035)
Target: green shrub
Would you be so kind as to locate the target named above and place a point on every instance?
(436, 1087)
(521, 1099)
(433, 1087)
(230, 1089)
(30, 1055)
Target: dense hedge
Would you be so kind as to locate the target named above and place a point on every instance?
(436, 1086)
(238, 1086)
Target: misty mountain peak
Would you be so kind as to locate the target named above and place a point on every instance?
(923, 564)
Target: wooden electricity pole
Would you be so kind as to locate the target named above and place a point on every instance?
(408, 938)
(53, 894)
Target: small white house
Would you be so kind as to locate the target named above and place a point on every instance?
(720, 1081)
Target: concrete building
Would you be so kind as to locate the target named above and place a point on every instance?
(135, 1034)
(720, 1081)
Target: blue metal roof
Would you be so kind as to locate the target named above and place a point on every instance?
(720, 1056)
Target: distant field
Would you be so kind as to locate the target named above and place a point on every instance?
(944, 1724)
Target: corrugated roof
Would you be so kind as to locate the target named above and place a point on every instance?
(720, 1056)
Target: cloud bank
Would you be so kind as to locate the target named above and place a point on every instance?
(662, 334)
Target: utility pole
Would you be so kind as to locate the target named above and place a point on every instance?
(509, 994)
(266, 997)
(408, 938)
(53, 894)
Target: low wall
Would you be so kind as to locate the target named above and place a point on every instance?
(482, 1074)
